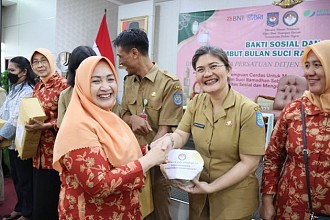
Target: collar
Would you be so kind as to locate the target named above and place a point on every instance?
(230, 98)
(228, 102)
(17, 86)
(151, 75)
(51, 81)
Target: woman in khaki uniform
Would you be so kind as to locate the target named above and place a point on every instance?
(228, 131)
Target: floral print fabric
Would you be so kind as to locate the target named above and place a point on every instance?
(289, 187)
(48, 94)
(93, 189)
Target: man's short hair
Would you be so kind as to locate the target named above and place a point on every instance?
(133, 38)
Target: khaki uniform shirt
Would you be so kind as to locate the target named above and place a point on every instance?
(63, 103)
(237, 129)
(116, 109)
(163, 94)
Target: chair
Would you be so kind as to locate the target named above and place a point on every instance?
(290, 87)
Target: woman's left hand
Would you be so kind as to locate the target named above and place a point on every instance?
(197, 188)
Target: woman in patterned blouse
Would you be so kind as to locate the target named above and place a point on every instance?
(285, 193)
(46, 181)
(98, 157)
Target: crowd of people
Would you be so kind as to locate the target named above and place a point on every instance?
(97, 159)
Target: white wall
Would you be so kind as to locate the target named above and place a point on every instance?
(166, 34)
(145, 8)
(58, 25)
(27, 25)
(64, 24)
(78, 22)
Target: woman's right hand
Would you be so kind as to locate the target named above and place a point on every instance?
(166, 142)
(267, 211)
(158, 155)
(155, 156)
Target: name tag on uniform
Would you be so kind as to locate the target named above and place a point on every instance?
(199, 125)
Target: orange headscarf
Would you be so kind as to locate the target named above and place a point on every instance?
(322, 51)
(45, 52)
(87, 125)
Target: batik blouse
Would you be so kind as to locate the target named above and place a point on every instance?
(48, 94)
(286, 150)
(93, 189)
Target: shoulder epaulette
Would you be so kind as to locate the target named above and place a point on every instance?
(172, 76)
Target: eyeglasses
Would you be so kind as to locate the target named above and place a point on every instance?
(43, 62)
(212, 67)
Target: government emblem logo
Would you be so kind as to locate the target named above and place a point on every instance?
(272, 18)
(290, 18)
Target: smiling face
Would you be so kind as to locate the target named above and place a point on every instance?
(103, 86)
(211, 74)
(40, 66)
(314, 74)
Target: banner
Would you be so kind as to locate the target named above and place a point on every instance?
(263, 43)
(102, 45)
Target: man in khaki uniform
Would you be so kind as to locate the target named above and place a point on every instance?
(151, 105)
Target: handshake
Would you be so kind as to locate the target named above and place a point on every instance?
(179, 166)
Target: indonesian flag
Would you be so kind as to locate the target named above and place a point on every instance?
(102, 45)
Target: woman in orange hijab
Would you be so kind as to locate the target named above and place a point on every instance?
(98, 157)
(285, 193)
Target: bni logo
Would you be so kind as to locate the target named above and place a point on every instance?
(235, 18)
(272, 18)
